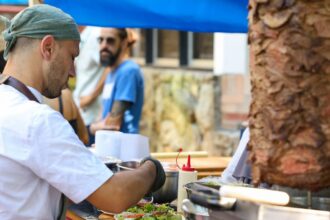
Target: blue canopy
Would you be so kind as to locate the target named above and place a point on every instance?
(188, 15)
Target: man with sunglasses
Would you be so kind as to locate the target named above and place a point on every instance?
(124, 86)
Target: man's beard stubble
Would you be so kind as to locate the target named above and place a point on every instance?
(53, 90)
(111, 59)
(55, 86)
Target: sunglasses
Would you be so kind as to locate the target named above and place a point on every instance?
(108, 40)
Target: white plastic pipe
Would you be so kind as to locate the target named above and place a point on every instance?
(255, 195)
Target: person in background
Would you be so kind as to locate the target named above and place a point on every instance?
(123, 91)
(90, 75)
(41, 158)
(67, 107)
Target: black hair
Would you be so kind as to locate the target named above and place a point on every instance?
(122, 32)
(2, 61)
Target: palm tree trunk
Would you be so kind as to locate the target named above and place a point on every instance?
(290, 76)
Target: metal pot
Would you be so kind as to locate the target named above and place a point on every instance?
(128, 165)
(110, 162)
(194, 212)
(112, 166)
(318, 203)
(169, 191)
(319, 200)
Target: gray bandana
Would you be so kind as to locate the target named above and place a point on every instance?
(38, 21)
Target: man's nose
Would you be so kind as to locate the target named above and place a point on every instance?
(103, 46)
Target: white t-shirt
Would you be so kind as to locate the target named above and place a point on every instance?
(108, 87)
(89, 72)
(40, 157)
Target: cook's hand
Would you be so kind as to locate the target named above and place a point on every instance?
(101, 125)
(160, 173)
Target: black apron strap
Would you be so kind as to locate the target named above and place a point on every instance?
(63, 207)
(60, 105)
(18, 85)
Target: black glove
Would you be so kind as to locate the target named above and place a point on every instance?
(160, 174)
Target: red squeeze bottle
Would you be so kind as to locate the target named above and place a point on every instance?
(188, 166)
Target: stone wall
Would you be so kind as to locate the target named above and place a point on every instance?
(182, 110)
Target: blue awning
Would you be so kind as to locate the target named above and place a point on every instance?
(189, 15)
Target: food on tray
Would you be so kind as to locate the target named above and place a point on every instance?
(216, 182)
(211, 181)
(149, 212)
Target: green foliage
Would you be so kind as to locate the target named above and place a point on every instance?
(151, 212)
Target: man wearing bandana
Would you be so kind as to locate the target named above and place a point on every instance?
(124, 86)
(41, 158)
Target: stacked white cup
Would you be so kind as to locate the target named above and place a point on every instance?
(123, 146)
(108, 143)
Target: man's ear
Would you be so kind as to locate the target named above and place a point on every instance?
(124, 44)
(47, 47)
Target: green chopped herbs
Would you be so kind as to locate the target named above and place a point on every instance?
(150, 212)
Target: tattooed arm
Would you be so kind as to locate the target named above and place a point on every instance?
(114, 118)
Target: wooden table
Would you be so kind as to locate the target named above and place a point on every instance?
(72, 216)
(205, 166)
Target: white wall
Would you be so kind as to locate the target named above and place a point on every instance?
(230, 53)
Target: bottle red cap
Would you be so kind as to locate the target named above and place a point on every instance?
(188, 166)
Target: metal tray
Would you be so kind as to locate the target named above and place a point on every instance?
(252, 211)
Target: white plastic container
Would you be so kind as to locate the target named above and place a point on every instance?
(186, 175)
(126, 147)
(108, 143)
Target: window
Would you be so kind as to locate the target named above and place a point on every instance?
(168, 44)
(203, 46)
(175, 48)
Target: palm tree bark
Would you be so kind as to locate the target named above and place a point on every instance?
(289, 115)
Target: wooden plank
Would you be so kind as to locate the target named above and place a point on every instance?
(106, 217)
(193, 154)
(34, 2)
(206, 174)
(202, 164)
(72, 216)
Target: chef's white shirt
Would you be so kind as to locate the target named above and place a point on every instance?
(40, 157)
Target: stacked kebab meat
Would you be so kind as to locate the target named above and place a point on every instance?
(289, 115)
